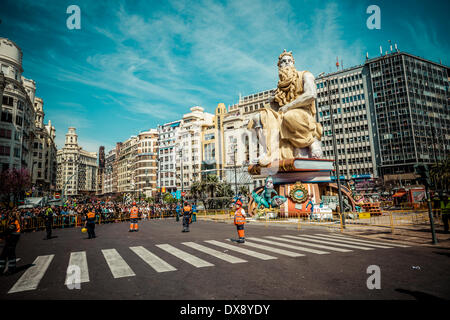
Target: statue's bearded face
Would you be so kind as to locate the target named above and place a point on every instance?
(286, 61)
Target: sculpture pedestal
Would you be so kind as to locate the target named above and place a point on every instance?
(297, 179)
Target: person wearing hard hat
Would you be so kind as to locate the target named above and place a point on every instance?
(239, 221)
(445, 211)
(90, 223)
(134, 214)
(11, 236)
(186, 216)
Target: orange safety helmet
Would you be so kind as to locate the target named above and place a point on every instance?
(238, 203)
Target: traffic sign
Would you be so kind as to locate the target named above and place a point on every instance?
(178, 194)
(183, 194)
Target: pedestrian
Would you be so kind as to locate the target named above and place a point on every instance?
(178, 209)
(187, 211)
(445, 212)
(310, 203)
(90, 224)
(239, 221)
(194, 212)
(11, 235)
(134, 214)
(48, 221)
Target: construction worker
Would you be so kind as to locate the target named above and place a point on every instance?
(187, 211)
(445, 211)
(134, 213)
(11, 236)
(90, 223)
(48, 220)
(239, 221)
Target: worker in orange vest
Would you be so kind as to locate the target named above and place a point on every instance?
(239, 221)
(90, 223)
(134, 214)
(11, 236)
(186, 216)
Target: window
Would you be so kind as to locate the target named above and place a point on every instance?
(17, 152)
(19, 120)
(8, 101)
(6, 116)
(5, 133)
(5, 150)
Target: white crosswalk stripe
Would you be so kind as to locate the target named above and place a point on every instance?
(289, 246)
(31, 278)
(341, 240)
(311, 244)
(366, 241)
(272, 249)
(79, 260)
(187, 257)
(119, 268)
(252, 253)
(214, 253)
(152, 260)
(329, 242)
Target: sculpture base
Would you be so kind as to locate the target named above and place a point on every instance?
(298, 179)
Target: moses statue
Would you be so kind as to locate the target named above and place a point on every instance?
(288, 129)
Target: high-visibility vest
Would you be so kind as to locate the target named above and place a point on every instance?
(187, 209)
(239, 217)
(90, 215)
(134, 213)
(445, 209)
(16, 224)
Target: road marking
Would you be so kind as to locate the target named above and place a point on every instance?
(152, 260)
(78, 259)
(329, 242)
(119, 268)
(366, 241)
(215, 253)
(324, 237)
(252, 253)
(31, 278)
(272, 249)
(187, 257)
(311, 244)
(289, 246)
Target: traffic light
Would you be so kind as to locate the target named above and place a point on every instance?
(424, 174)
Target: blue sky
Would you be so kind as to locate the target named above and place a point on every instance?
(136, 64)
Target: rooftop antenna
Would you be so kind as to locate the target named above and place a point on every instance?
(390, 45)
(381, 51)
(337, 63)
(367, 55)
(396, 49)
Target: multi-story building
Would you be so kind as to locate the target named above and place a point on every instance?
(107, 187)
(167, 155)
(44, 166)
(245, 142)
(17, 123)
(410, 111)
(101, 169)
(77, 168)
(146, 163)
(213, 146)
(347, 91)
(125, 166)
(190, 146)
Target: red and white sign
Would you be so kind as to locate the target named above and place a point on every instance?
(57, 195)
(183, 194)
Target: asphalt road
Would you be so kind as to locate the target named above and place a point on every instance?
(333, 275)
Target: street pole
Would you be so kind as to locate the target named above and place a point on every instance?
(336, 158)
(182, 178)
(430, 214)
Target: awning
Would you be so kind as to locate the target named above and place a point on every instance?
(399, 194)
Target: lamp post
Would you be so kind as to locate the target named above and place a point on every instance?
(336, 158)
(234, 148)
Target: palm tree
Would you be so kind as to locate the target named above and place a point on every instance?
(440, 172)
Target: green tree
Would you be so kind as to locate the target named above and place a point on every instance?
(440, 173)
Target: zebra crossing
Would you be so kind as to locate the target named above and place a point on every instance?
(285, 245)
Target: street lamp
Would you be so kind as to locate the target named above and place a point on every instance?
(336, 159)
(234, 149)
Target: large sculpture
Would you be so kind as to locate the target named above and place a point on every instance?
(288, 129)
